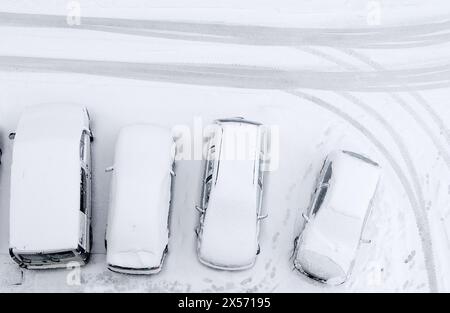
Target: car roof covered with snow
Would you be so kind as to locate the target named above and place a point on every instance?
(140, 197)
(229, 237)
(331, 238)
(45, 178)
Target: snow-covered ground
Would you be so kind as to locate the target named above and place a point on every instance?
(314, 69)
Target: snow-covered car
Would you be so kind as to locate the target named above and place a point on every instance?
(231, 202)
(326, 249)
(138, 223)
(50, 205)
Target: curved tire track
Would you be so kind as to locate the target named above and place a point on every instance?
(445, 131)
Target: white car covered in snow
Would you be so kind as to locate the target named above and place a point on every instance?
(50, 209)
(326, 249)
(138, 222)
(231, 203)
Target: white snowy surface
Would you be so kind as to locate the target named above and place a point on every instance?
(138, 218)
(383, 93)
(45, 184)
(335, 230)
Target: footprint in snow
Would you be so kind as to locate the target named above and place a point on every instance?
(275, 238)
(246, 281)
(274, 272)
(410, 257)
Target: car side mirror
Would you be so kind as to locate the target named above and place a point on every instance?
(201, 210)
(262, 217)
(306, 218)
(89, 132)
(12, 136)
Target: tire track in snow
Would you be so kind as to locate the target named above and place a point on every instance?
(425, 127)
(421, 217)
(416, 95)
(379, 118)
(328, 57)
(397, 139)
(443, 128)
(409, 35)
(232, 75)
